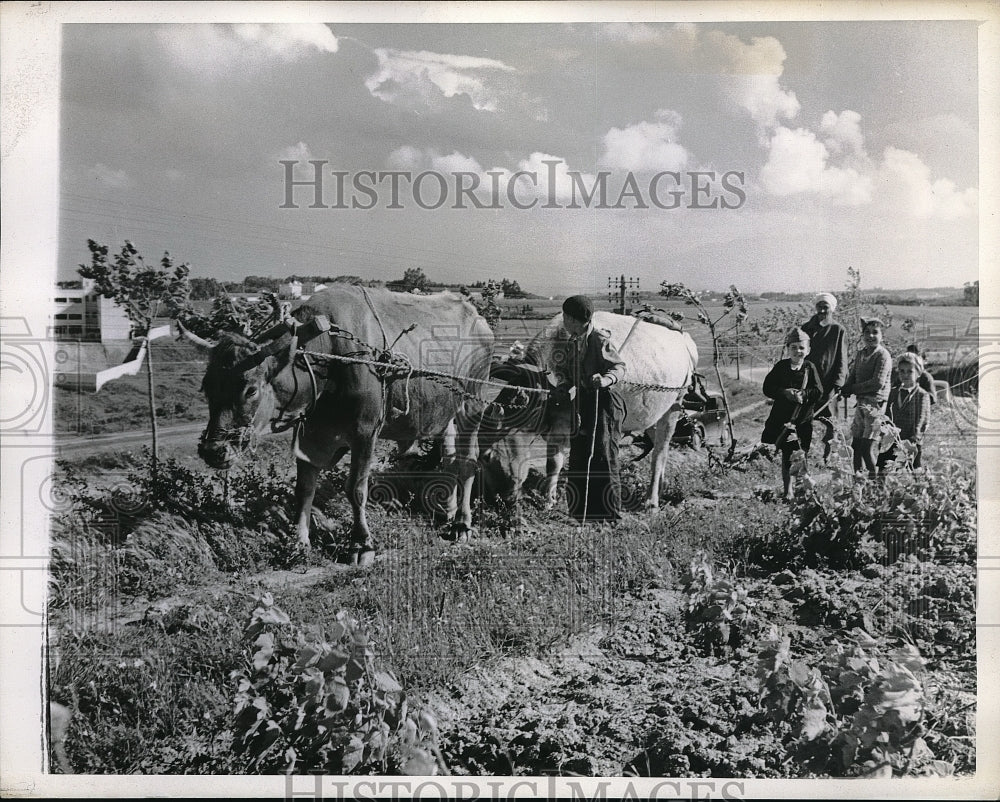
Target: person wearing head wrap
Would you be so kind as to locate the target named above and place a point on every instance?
(869, 380)
(828, 352)
(794, 385)
(594, 481)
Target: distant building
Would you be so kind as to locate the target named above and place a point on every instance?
(290, 289)
(83, 314)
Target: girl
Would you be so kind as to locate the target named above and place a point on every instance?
(795, 386)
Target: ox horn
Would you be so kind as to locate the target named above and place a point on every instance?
(201, 342)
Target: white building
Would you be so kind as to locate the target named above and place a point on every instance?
(290, 289)
(85, 315)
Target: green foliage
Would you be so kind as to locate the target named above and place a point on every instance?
(140, 290)
(849, 522)
(719, 611)
(324, 706)
(849, 713)
(232, 314)
(970, 294)
(486, 304)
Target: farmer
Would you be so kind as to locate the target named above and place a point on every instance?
(795, 386)
(909, 408)
(828, 354)
(594, 483)
(869, 381)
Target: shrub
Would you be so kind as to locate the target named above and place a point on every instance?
(324, 706)
(718, 612)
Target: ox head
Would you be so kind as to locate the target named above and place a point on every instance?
(237, 385)
(532, 402)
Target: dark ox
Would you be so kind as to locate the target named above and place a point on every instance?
(534, 422)
(252, 386)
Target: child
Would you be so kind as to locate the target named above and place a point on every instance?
(869, 381)
(909, 408)
(593, 475)
(795, 386)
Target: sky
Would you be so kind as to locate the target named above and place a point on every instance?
(845, 144)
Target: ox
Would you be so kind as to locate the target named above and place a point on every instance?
(655, 358)
(344, 402)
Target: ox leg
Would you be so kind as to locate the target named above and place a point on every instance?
(555, 459)
(357, 494)
(306, 479)
(661, 445)
(466, 453)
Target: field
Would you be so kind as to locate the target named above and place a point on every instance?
(728, 634)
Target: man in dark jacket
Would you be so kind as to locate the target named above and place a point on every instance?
(594, 483)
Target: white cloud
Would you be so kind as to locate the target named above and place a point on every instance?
(843, 132)
(631, 33)
(289, 40)
(905, 181)
(109, 177)
(899, 186)
(798, 163)
(646, 145)
(225, 49)
(419, 78)
(299, 152)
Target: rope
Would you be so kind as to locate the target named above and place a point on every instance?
(590, 457)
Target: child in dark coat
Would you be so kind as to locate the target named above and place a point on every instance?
(795, 386)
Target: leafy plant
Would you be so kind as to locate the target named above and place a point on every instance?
(324, 705)
(734, 304)
(718, 611)
(850, 712)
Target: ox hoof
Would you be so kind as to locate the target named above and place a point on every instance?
(361, 556)
(460, 533)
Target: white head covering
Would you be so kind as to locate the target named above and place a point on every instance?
(825, 296)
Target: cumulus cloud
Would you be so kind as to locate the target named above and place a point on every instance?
(543, 180)
(646, 145)
(747, 75)
(419, 78)
(298, 152)
(905, 181)
(843, 133)
(224, 49)
(798, 163)
(110, 177)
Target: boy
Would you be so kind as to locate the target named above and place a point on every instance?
(596, 368)
(795, 386)
(869, 381)
(909, 408)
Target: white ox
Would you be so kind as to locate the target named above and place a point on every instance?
(656, 358)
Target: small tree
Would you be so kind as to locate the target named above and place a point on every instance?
(733, 303)
(414, 279)
(970, 294)
(142, 292)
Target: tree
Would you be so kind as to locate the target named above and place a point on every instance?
(204, 289)
(143, 292)
(732, 303)
(511, 289)
(414, 279)
(970, 294)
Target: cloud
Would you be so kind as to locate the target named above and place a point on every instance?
(417, 79)
(298, 152)
(746, 75)
(541, 176)
(905, 181)
(843, 132)
(289, 40)
(225, 49)
(109, 177)
(798, 163)
(646, 145)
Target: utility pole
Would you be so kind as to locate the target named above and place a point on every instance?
(620, 289)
